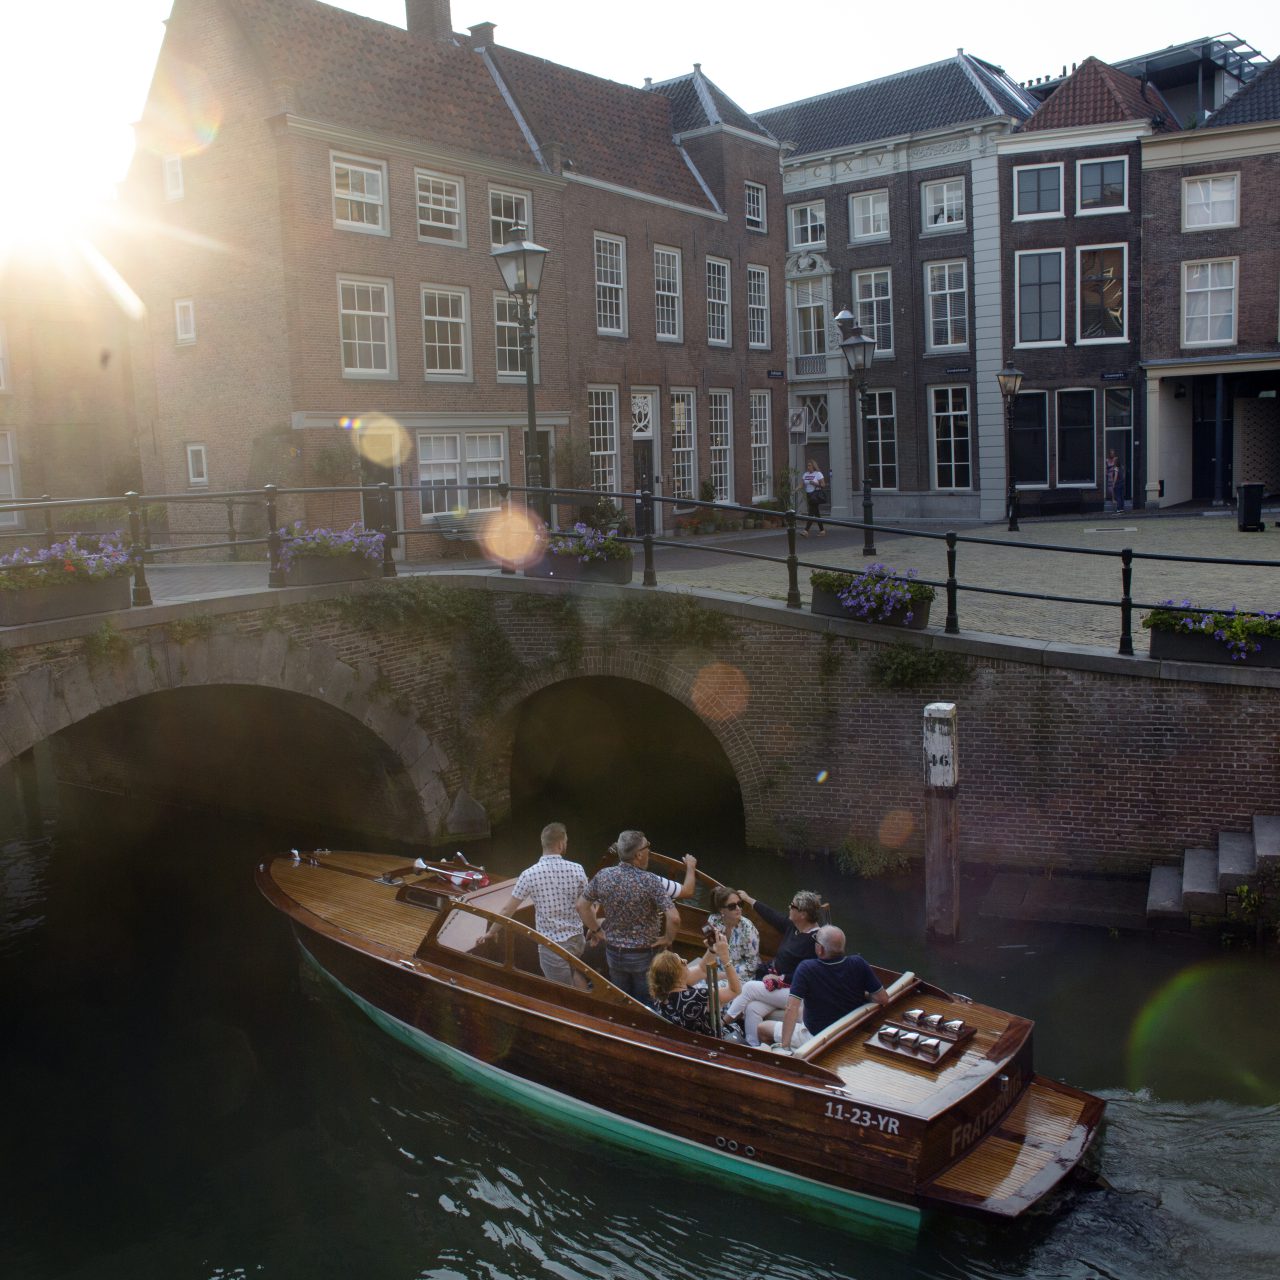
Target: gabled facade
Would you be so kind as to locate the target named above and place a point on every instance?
(1211, 299)
(892, 211)
(326, 279)
(1071, 250)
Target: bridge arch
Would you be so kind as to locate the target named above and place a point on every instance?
(74, 695)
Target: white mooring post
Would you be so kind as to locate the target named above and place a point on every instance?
(941, 824)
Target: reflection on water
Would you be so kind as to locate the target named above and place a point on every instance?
(185, 1098)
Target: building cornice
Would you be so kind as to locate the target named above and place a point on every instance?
(601, 185)
(1085, 135)
(322, 419)
(1200, 146)
(382, 144)
(772, 143)
(1233, 362)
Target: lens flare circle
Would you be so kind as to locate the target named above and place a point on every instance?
(516, 537)
(896, 828)
(823, 775)
(720, 692)
(378, 438)
(183, 114)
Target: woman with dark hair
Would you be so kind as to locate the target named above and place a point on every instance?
(675, 990)
(727, 914)
(760, 999)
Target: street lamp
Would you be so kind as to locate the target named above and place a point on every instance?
(858, 350)
(521, 261)
(1010, 380)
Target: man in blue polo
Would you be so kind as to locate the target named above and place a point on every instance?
(638, 917)
(827, 987)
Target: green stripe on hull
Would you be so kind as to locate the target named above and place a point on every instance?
(597, 1122)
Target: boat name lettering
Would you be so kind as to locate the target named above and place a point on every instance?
(964, 1134)
(860, 1116)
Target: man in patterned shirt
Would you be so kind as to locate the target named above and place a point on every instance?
(639, 916)
(554, 885)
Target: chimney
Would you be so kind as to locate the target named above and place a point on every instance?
(430, 19)
(481, 35)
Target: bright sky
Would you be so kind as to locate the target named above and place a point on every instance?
(74, 73)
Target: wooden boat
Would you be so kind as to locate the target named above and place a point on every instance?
(854, 1119)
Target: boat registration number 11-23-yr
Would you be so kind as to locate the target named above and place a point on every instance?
(863, 1118)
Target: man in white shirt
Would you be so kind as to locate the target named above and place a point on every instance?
(554, 885)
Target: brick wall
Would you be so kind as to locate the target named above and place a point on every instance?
(1061, 766)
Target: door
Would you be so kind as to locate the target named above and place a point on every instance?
(1206, 440)
(378, 466)
(546, 451)
(1118, 435)
(644, 457)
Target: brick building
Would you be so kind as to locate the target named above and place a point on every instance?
(1071, 253)
(1211, 300)
(892, 207)
(326, 279)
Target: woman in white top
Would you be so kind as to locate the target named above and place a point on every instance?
(815, 489)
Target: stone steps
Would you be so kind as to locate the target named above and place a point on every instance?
(1208, 878)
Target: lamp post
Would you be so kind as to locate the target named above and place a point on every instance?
(858, 349)
(521, 261)
(1010, 380)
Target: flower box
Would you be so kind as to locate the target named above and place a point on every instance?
(43, 604)
(571, 569)
(1191, 646)
(314, 571)
(827, 604)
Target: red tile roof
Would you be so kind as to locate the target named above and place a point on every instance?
(350, 70)
(1096, 93)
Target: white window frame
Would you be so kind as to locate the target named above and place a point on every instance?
(389, 318)
(927, 191)
(197, 466)
(1081, 340)
(1235, 302)
(760, 406)
(510, 193)
(604, 461)
(874, 301)
(1060, 211)
(933, 434)
(1092, 481)
(683, 405)
(758, 318)
(873, 395)
(463, 296)
(472, 463)
(800, 219)
(719, 303)
(454, 233)
(9, 474)
(720, 442)
(1061, 340)
(757, 221)
(611, 288)
(501, 302)
(4, 360)
(930, 295)
(672, 255)
(814, 305)
(856, 216)
(1122, 207)
(1189, 183)
(184, 321)
(174, 185)
(367, 165)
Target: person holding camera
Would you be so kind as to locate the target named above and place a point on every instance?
(761, 998)
(674, 984)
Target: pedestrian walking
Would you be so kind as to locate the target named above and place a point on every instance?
(815, 494)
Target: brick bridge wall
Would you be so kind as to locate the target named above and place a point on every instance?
(1067, 759)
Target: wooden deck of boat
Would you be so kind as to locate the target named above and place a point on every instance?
(340, 890)
(1037, 1140)
(898, 1082)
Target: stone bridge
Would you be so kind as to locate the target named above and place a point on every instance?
(423, 709)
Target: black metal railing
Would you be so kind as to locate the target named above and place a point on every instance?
(41, 526)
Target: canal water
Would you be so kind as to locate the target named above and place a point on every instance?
(184, 1098)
